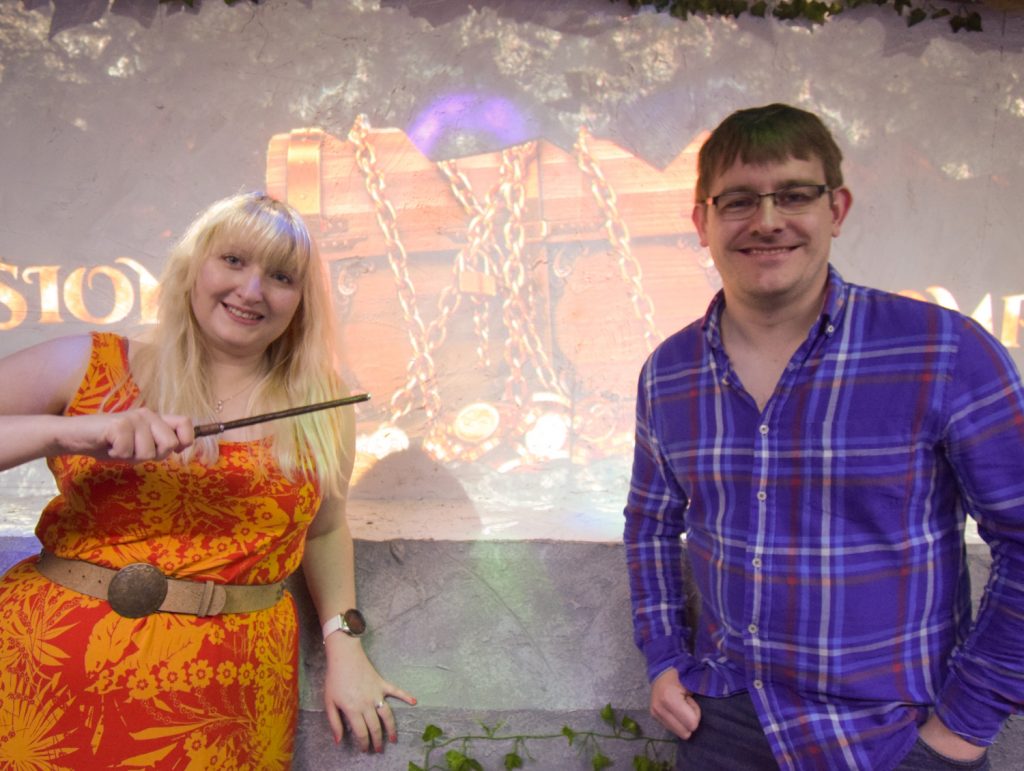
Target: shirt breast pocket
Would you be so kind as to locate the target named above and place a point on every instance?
(874, 471)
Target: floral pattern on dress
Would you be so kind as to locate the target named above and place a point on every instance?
(82, 687)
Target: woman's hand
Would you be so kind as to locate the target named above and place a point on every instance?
(355, 694)
(134, 435)
(40, 382)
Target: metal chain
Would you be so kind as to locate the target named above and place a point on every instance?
(420, 368)
(506, 261)
(618, 237)
(503, 259)
(523, 343)
(475, 253)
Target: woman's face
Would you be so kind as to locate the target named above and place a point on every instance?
(241, 306)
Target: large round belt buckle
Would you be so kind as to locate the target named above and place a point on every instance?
(137, 590)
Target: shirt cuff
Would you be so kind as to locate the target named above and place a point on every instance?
(662, 653)
(968, 711)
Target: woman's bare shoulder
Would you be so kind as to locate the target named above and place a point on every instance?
(42, 378)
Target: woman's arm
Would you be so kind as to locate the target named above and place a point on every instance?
(38, 384)
(352, 688)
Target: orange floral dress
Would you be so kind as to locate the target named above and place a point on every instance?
(84, 688)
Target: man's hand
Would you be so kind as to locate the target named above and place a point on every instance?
(673, 706)
(935, 734)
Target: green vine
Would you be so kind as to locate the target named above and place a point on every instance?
(815, 11)
(458, 749)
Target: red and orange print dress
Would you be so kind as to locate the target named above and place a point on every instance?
(84, 688)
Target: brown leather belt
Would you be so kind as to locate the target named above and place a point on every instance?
(140, 589)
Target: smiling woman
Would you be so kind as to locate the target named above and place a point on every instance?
(242, 304)
(154, 629)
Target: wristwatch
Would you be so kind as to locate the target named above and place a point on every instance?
(351, 622)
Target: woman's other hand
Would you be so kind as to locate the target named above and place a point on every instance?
(356, 696)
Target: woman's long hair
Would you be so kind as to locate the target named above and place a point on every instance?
(298, 367)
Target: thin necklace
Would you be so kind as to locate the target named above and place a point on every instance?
(219, 406)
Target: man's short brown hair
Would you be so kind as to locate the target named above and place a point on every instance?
(770, 134)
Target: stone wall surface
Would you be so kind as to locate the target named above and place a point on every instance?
(522, 637)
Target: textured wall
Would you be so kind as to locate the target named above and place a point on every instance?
(119, 121)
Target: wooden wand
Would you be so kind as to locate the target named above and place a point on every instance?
(209, 429)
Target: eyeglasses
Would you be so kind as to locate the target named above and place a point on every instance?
(741, 204)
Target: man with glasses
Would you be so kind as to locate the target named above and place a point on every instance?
(820, 443)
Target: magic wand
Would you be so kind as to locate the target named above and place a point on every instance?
(208, 429)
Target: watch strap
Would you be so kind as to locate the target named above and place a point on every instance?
(333, 624)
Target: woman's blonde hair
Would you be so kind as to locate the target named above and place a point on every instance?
(299, 366)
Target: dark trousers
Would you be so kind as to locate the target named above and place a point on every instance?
(730, 738)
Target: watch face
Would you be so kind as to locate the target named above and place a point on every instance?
(355, 622)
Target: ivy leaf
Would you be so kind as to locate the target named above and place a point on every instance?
(458, 761)
(432, 732)
(413, 767)
(608, 715)
(759, 8)
(512, 760)
(488, 730)
(786, 10)
(569, 734)
(815, 11)
(916, 17)
(629, 725)
(600, 761)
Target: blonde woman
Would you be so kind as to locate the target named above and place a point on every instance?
(152, 630)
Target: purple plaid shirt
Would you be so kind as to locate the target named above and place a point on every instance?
(826, 531)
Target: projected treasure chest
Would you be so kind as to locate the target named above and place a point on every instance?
(481, 295)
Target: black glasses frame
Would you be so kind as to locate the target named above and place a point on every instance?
(820, 189)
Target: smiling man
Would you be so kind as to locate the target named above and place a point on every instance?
(820, 445)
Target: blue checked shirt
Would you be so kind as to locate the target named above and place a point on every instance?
(826, 532)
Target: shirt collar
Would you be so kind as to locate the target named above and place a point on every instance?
(836, 291)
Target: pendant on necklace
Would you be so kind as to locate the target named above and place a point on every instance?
(219, 407)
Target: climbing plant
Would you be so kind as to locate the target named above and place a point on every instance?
(459, 750)
(960, 17)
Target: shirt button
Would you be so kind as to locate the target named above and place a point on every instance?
(752, 628)
(756, 562)
(763, 430)
(762, 495)
(758, 684)
(830, 329)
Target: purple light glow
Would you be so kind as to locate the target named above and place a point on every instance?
(494, 116)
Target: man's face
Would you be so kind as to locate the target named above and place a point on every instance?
(770, 261)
